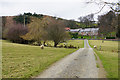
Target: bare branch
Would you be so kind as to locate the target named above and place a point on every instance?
(100, 9)
(104, 3)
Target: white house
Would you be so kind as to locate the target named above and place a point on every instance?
(89, 31)
(74, 30)
(86, 31)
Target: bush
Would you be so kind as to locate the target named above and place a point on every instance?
(61, 46)
(14, 33)
(73, 35)
(110, 37)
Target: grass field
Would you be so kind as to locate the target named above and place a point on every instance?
(76, 43)
(108, 55)
(23, 61)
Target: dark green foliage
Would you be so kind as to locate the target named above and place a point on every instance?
(71, 24)
(73, 35)
(110, 37)
(20, 19)
(26, 16)
(84, 37)
(37, 15)
(59, 19)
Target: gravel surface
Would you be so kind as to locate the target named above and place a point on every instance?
(80, 64)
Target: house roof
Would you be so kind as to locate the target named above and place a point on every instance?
(67, 28)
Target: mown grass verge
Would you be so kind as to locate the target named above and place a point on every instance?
(108, 54)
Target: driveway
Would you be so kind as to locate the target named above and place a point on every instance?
(80, 64)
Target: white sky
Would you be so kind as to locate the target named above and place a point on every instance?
(67, 9)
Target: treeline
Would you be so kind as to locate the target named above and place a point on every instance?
(87, 21)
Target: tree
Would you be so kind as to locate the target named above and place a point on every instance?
(44, 29)
(12, 30)
(14, 33)
(71, 24)
(37, 30)
(56, 31)
(107, 24)
(114, 6)
(118, 27)
(88, 20)
(73, 35)
(20, 18)
(3, 24)
(37, 15)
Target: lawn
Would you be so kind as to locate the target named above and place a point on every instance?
(108, 55)
(24, 61)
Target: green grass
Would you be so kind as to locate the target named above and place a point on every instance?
(24, 61)
(95, 57)
(97, 65)
(108, 55)
(76, 43)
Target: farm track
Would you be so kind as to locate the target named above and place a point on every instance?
(80, 64)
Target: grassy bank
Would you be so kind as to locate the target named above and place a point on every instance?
(23, 61)
(108, 55)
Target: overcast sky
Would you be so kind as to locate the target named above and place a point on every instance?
(67, 9)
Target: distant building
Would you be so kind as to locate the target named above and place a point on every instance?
(67, 29)
(89, 31)
(86, 31)
(74, 30)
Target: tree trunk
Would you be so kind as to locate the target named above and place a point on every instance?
(44, 43)
(55, 44)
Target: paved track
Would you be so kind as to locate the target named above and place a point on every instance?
(80, 64)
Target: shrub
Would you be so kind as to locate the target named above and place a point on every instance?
(14, 33)
(110, 37)
(73, 35)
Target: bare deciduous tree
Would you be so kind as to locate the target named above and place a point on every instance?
(56, 31)
(87, 20)
(107, 23)
(14, 33)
